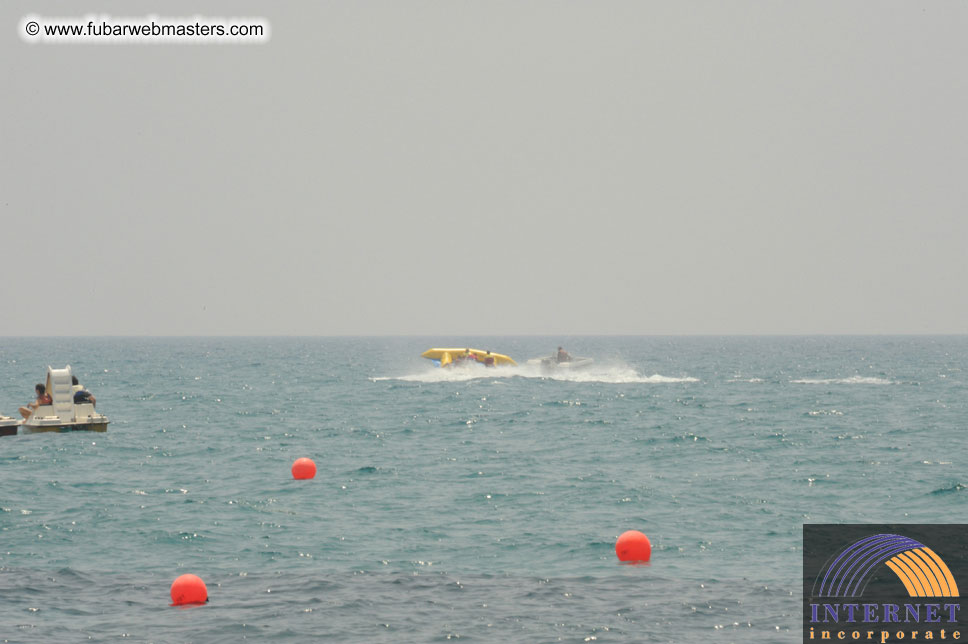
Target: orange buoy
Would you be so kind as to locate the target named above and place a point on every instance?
(188, 589)
(303, 468)
(633, 546)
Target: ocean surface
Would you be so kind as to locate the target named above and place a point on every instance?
(477, 505)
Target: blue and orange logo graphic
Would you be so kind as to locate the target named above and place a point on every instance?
(922, 572)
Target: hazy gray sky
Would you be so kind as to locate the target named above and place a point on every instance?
(491, 168)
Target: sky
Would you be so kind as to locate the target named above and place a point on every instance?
(491, 168)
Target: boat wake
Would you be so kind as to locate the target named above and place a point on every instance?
(610, 374)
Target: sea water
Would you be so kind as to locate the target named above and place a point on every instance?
(477, 505)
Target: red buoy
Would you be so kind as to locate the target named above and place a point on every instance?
(303, 468)
(633, 546)
(188, 589)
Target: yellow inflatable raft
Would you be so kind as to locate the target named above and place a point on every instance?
(448, 356)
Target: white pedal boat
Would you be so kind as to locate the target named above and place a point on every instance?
(63, 414)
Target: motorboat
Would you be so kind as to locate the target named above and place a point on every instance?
(453, 357)
(63, 414)
(551, 364)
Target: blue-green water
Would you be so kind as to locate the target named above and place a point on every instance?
(481, 505)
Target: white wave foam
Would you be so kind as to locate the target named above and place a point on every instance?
(853, 380)
(658, 378)
(825, 412)
(753, 380)
(610, 374)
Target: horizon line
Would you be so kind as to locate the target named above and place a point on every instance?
(499, 335)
